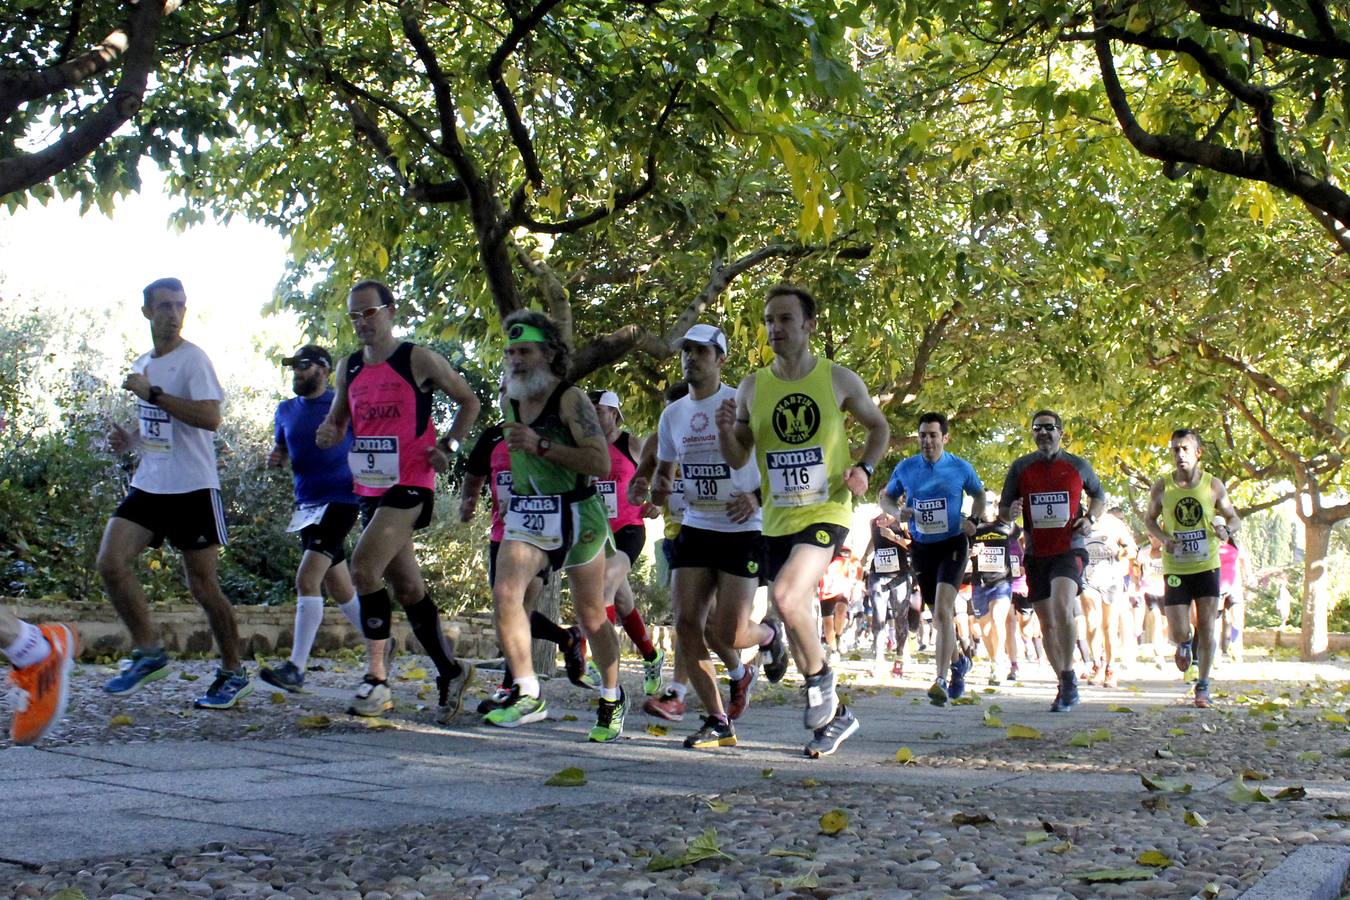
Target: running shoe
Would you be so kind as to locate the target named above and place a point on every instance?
(1012, 672)
(994, 680)
(714, 733)
(668, 706)
(518, 710)
(957, 686)
(228, 689)
(898, 670)
(1068, 693)
(609, 720)
(38, 693)
(574, 656)
(1109, 678)
(1183, 656)
(286, 676)
(1091, 676)
(1057, 705)
(1202, 697)
(820, 699)
(592, 679)
(497, 700)
(740, 692)
(829, 736)
(774, 658)
(450, 692)
(937, 694)
(372, 698)
(651, 673)
(140, 669)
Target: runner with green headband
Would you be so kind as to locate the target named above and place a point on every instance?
(553, 517)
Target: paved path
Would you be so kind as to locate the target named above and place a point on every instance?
(108, 801)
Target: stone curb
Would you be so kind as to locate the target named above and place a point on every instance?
(1309, 873)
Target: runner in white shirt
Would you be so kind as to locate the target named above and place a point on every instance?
(175, 494)
(719, 551)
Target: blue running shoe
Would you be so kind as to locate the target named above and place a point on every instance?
(957, 685)
(227, 690)
(1068, 692)
(142, 668)
(286, 676)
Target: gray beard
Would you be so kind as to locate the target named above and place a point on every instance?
(533, 384)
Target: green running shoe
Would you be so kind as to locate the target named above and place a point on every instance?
(609, 720)
(519, 710)
(651, 674)
(937, 694)
(592, 678)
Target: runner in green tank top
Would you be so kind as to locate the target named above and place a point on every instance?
(790, 417)
(553, 517)
(1186, 500)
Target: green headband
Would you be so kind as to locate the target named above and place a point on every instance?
(520, 333)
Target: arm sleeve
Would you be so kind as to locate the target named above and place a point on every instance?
(1091, 486)
(480, 457)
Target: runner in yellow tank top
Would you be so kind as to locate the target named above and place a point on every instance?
(1186, 500)
(790, 417)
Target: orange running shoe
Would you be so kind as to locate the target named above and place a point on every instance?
(38, 693)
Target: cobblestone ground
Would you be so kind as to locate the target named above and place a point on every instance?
(1280, 721)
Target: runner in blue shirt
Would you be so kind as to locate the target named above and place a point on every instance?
(325, 508)
(924, 492)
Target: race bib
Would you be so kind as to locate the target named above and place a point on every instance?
(306, 515)
(797, 477)
(708, 485)
(1049, 509)
(886, 561)
(993, 559)
(535, 520)
(930, 516)
(1191, 546)
(675, 503)
(609, 492)
(156, 430)
(503, 488)
(374, 461)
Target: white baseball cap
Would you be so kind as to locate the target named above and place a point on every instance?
(610, 399)
(704, 334)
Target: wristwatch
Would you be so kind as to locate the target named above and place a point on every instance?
(545, 445)
(870, 470)
(153, 396)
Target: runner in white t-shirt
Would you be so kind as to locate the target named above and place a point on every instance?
(719, 551)
(175, 494)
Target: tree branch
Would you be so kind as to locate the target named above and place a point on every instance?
(440, 86)
(555, 294)
(24, 170)
(1212, 14)
(932, 336)
(520, 136)
(1317, 192)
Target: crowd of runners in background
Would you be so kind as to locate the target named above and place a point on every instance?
(783, 542)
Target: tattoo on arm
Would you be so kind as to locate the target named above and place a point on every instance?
(587, 423)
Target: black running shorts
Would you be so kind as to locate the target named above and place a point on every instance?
(193, 520)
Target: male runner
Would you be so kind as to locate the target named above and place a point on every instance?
(385, 391)
(1050, 483)
(924, 492)
(39, 685)
(630, 535)
(491, 459)
(790, 417)
(991, 591)
(175, 494)
(1110, 546)
(325, 508)
(1187, 500)
(890, 587)
(553, 517)
(719, 550)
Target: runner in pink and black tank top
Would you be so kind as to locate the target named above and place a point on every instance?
(384, 393)
(630, 534)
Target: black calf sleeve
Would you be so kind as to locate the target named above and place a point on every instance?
(425, 620)
(375, 611)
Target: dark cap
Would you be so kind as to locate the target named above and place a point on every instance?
(310, 353)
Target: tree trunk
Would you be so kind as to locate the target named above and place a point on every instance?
(545, 653)
(1317, 539)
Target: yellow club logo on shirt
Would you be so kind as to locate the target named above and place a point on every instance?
(823, 538)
